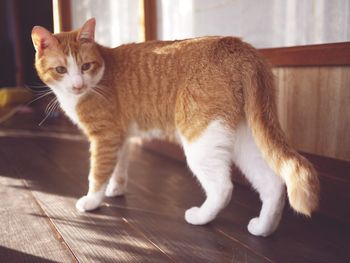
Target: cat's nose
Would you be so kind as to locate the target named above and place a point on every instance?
(77, 83)
(78, 89)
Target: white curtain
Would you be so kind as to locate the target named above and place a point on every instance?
(264, 23)
(118, 21)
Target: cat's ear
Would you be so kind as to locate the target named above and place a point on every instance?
(88, 30)
(42, 38)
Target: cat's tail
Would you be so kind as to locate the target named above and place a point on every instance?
(261, 114)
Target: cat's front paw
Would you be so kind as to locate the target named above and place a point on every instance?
(256, 228)
(195, 216)
(88, 203)
(115, 189)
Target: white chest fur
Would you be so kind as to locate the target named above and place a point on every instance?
(68, 104)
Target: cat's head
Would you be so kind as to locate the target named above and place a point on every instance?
(69, 63)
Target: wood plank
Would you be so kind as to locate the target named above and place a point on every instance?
(333, 54)
(164, 227)
(27, 234)
(314, 109)
(18, 48)
(91, 237)
(150, 17)
(64, 15)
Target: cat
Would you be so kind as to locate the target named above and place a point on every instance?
(215, 96)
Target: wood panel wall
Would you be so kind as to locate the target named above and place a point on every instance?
(314, 108)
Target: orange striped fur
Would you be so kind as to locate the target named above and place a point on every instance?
(177, 85)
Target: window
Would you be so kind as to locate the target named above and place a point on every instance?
(118, 22)
(264, 23)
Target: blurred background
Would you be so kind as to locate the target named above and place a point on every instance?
(306, 41)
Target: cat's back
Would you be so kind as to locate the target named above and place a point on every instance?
(186, 47)
(180, 59)
(163, 48)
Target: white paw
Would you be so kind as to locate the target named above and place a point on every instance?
(257, 229)
(195, 216)
(114, 189)
(88, 203)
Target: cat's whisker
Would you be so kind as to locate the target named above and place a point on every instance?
(39, 92)
(36, 86)
(55, 105)
(44, 120)
(51, 109)
(50, 104)
(48, 107)
(36, 92)
(100, 92)
(40, 97)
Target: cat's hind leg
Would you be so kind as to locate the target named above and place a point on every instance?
(270, 187)
(209, 158)
(118, 181)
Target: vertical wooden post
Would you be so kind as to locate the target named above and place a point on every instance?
(17, 47)
(62, 15)
(150, 16)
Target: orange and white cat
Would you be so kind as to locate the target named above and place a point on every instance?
(214, 95)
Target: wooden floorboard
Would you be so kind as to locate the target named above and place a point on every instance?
(146, 225)
(156, 218)
(27, 234)
(92, 237)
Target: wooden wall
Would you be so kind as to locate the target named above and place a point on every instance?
(314, 96)
(314, 108)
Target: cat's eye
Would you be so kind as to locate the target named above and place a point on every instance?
(86, 66)
(61, 70)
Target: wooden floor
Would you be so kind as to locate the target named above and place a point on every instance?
(44, 170)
